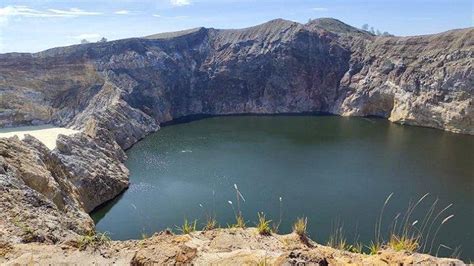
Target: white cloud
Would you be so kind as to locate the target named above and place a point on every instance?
(73, 12)
(25, 11)
(319, 9)
(180, 2)
(122, 12)
(156, 15)
(11, 11)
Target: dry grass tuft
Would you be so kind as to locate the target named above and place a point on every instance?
(187, 227)
(211, 224)
(94, 240)
(399, 243)
(263, 225)
(300, 226)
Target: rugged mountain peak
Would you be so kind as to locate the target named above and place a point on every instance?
(336, 26)
(271, 31)
(278, 23)
(175, 34)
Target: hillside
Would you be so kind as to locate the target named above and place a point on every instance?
(279, 66)
(115, 93)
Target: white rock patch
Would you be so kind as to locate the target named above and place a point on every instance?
(47, 134)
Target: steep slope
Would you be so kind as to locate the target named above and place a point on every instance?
(279, 66)
(118, 92)
(422, 80)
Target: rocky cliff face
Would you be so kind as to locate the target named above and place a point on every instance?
(279, 66)
(38, 201)
(118, 92)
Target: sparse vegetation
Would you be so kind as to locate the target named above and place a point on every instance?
(144, 236)
(300, 226)
(355, 248)
(93, 239)
(28, 234)
(187, 227)
(240, 222)
(403, 243)
(378, 224)
(411, 234)
(373, 248)
(239, 219)
(263, 225)
(262, 262)
(337, 238)
(276, 227)
(211, 223)
(403, 234)
(456, 252)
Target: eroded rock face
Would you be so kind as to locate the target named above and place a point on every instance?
(118, 92)
(422, 80)
(130, 86)
(38, 202)
(46, 194)
(95, 170)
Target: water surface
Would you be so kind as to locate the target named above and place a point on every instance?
(327, 168)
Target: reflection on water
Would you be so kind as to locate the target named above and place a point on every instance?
(324, 167)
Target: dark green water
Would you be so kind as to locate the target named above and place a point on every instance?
(327, 168)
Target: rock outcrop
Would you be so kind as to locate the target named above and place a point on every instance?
(117, 92)
(46, 195)
(37, 200)
(216, 247)
(130, 86)
(94, 169)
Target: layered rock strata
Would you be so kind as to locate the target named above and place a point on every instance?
(117, 92)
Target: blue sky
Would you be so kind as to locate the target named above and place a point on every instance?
(35, 25)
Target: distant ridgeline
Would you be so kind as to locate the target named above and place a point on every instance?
(279, 66)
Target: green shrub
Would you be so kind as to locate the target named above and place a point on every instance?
(187, 227)
(374, 247)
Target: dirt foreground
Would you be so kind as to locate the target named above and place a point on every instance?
(219, 247)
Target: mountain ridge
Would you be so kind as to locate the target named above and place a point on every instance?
(219, 46)
(118, 92)
(179, 33)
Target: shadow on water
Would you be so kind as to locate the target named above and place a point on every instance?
(197, 117)
(100, 211)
